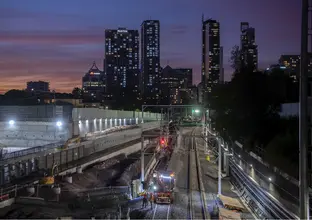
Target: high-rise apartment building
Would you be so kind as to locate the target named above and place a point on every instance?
(291, 62)
(210, 54)
(221, 78)
(186, 77)
(249, 49)
(150, 59)
(122, 62)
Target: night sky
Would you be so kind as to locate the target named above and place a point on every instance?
(58, 40)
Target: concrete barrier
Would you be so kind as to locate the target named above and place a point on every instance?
(129, 150)
(30, 200)
(7, 202)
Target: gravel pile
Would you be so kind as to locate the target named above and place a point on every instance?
(106, 164)
(127, 176)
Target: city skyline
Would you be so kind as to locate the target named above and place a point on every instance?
(39, 43)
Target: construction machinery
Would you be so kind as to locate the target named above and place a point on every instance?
(73, 140)
(48, 178)
(163, 185)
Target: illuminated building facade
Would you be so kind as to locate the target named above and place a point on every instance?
(93, 84)
(175, 85)
(249, 49)
(291, 62)
(210, 54)
(150, 60)
(186, 76)
(122, 63)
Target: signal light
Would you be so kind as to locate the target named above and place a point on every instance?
(162, 141)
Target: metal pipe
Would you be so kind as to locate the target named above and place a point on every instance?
(303, 126)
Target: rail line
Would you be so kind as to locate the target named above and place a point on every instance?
(270, 207)
(162, 212)
(196, 201)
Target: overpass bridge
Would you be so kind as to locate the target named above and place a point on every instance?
(30, 136)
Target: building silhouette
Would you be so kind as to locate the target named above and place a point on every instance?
(93, 84)
(150, 60)
(211, 56)
(122, 63)
(249, 49)
(38, 86)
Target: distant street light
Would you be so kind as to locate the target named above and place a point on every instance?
(59, 124)
(11, 122)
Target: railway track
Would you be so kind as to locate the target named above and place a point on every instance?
(196, 198)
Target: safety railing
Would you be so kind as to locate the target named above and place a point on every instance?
(31, 150)
(269, 206)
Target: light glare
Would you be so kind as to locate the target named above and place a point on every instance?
(59, 124)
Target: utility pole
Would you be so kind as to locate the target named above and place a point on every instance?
(219, 166)
(142, 160)
(303, 116)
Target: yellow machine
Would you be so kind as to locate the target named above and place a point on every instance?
(75, 139)
(49, 179)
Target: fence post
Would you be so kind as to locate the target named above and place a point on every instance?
(15, 190)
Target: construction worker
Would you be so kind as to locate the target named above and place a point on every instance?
(144, 204)
(151, 199)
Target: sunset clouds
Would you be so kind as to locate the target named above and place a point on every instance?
(57, 41)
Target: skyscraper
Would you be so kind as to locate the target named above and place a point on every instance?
(150, 59)
(221, 78)
(122, 62)
(249, 49)
(210, 53)
(93, 85)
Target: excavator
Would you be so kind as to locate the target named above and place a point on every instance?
(48, 178)
(75, 139)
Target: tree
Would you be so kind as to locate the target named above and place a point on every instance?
(19, 97)
(236, 58)
(247, 108)
(77, 93)
(282, 151)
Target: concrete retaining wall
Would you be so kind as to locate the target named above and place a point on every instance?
(96, 113)
(27, 134)
(35, 112)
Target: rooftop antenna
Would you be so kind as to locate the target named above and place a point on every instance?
(167, 62)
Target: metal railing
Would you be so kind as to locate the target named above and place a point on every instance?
(268, 205)
(31, 150)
